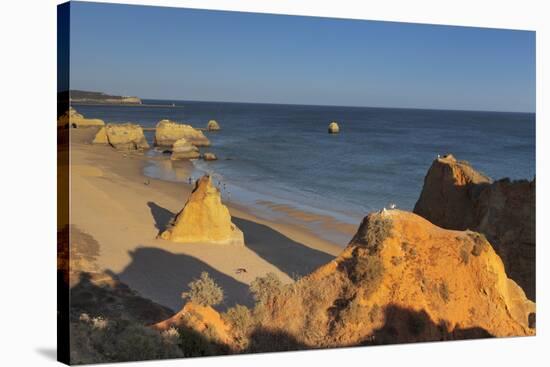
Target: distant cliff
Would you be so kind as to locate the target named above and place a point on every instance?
(80, 96)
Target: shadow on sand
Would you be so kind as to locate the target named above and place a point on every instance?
(291, 257)
(161, 216)
(161, 275)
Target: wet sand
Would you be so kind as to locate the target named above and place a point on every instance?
(124, 211)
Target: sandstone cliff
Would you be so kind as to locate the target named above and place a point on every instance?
(401, 279)
(168, 132)
(72, 118)
(204, 218)
(456, 196)
(201, 319)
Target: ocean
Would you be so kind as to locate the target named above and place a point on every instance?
(269, 153)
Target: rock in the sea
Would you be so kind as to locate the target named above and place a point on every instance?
(204, 219)
(213, 125)
(209, 156)
(333, 128)
(456, 196)
(126, 136)
(401, 279)
(72, 118)
(167, 132)
(182, 149)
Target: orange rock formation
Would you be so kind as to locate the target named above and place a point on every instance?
(402, 279)
(456, 196)
(72, 118)
(200, 319)
(204, 218)
(125, 136)
(168, 132)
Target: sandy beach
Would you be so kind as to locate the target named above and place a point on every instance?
(124, 211)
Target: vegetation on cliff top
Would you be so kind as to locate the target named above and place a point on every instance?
(392, 284)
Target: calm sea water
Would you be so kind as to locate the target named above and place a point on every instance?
(283, 153)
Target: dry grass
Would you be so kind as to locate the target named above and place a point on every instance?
(465, 254)
(480, 243)
(373, 233)
(266, 287)
(444, 292)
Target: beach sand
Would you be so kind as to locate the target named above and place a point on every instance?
(124, 210)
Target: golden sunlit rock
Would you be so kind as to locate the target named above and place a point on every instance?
(168, 132)
(204, 218)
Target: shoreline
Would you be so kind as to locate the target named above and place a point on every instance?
(332, 226)
(123, 104)
(123, 209)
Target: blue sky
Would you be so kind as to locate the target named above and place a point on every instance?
(174, 53)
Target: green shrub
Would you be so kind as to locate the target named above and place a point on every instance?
(263, 288)
(204, 291)
(117, 341)
(240, 318)
(136, 343)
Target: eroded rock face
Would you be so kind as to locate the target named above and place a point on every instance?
(204, 219)
(451, 189)
(168, 132)
(182, 149)
(402, 279)
(456, 196)
(125, 136)
(72, 118)
(507, 216)
(213, 125)
(333, 128)
(101, 136)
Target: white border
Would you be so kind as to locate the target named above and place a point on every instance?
(28, 69)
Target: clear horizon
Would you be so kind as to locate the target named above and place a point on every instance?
(205, 55)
